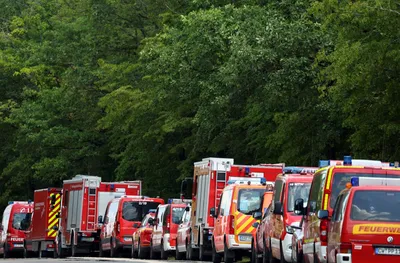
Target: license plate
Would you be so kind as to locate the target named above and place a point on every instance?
(50, 249)
(387, 251)
(87, 239)
(18, 245)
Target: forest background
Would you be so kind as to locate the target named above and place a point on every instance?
(141, 89)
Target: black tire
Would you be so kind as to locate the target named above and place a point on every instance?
(114, 253)
(271, 257)
(73, 246)
(216, 257)
(133, 252)
(60, 251)
(141, 253)
(189, 251)
(6, 253)
(27, 253)
(163, 254)
(299, 255)
(265, 258)
(202, 255)
(153, 254)
(178, 255)
(282, 255)
(315, 256)
(229, 255)
(254, 258)
(101, 251)
(40, 250)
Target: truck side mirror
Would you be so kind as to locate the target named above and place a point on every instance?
(323, 214)
(100, 220)
(187, 209)
(255, 224)
(151, 221)
(278, 208)
(299, 207)
(257, 215)
(212, 212)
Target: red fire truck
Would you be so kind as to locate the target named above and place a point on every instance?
(42, 232)
(85, 199)
(211, 175)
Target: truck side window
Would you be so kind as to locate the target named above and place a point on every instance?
(316, 192)
(336, 210)
(227, 207)
(278, 190)
(222, 204)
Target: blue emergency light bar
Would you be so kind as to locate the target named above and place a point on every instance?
(374, 181)
(245, 180)
(152, 210)
(323, 163)
(355, 181)
(10, 202)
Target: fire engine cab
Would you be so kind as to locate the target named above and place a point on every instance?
(85, 198)
(365, 225)
(16, 221)
(211, 175)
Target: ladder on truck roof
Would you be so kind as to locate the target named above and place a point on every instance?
(92, 205)
(220, 183)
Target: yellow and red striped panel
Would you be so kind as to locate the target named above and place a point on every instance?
(53, 220)
(244, 224)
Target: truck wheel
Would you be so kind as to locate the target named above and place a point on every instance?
(271, 257)
(6, 253)
(152, 252)
(73, 247)
(178, 255)
(216, 257)
(228, 254)
(202, 256)
(26, 252)
(253, 253)
(133, 249)
(101, 251)
(265, 257)
(164, 254)
(60, 252)
(141, 253)
(113, 249)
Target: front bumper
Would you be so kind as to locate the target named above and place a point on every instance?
(233, 245)
(15, 246)
(343, 258)
(125, 243)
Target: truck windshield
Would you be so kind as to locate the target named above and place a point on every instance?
(341, 179)
(177, 213)
(297, 191)
(250, 200)
(21, 221)
(376, 205)
(136, 210)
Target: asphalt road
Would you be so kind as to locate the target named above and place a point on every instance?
(83, 260)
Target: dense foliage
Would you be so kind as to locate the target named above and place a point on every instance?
(142, 89)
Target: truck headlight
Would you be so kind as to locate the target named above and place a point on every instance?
(289, 230)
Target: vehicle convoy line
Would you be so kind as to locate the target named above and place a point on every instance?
(345, 211)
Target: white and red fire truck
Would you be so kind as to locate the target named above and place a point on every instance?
(85, 198)
(211, 175)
